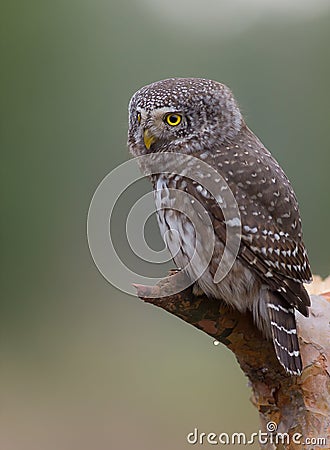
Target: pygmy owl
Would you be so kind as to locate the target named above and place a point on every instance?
(200, 118)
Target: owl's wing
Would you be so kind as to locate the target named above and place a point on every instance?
(270, 225)
(273, 268)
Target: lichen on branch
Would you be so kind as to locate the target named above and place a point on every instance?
(295, 404)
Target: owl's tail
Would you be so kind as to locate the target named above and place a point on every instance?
(284, 334)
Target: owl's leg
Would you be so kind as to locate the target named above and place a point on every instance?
(197, 290)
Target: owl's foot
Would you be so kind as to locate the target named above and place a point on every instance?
(174, 271)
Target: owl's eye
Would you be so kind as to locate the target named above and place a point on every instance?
(138, 117)
(173, 119)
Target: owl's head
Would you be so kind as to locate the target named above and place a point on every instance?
(182, 114)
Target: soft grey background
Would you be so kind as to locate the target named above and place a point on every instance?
(82, 365)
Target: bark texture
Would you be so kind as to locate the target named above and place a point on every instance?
(298, 406)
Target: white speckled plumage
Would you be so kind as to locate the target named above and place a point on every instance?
(268, 274)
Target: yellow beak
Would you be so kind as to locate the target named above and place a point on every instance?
(148, 138)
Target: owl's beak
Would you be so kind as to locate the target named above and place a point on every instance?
(148, 138)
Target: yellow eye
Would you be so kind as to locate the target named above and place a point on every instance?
(173, 119)
(139, 117)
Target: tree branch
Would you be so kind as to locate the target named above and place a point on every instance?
(296, 404)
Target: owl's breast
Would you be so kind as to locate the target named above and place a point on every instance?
(186, 228)
(176, 229)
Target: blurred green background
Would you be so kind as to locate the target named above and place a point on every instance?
(82, 365)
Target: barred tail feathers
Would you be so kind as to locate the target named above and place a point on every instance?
(284, 334)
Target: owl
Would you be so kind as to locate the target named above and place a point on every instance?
(200, 119)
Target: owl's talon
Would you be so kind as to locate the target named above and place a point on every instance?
(174, 271)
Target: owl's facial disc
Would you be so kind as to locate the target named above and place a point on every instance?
(160, 126)
(182, 114)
